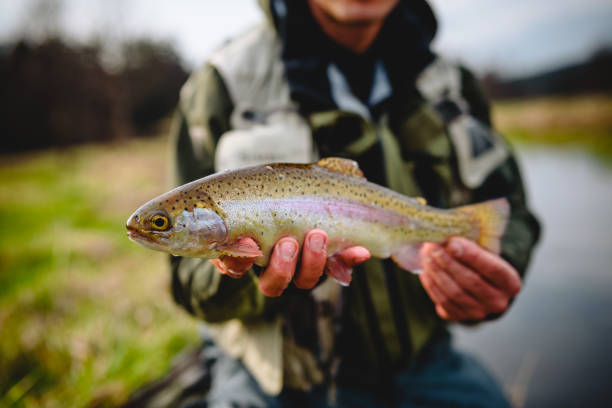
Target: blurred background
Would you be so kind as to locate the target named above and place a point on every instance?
(86, 93)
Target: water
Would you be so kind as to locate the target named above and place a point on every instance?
(554, 347)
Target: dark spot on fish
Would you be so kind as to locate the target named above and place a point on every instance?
(186, 209)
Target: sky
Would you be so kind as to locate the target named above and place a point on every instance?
(515, 38)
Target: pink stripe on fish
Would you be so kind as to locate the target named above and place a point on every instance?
(350, 209)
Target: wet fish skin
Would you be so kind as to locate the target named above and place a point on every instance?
(207, 217)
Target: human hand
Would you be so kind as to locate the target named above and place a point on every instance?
(466, 282)
(281, 269)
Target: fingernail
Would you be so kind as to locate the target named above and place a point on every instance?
(362, 256)
(437, 253)
(316, 242)
(455, 248)
(287, 250)
(234, 274)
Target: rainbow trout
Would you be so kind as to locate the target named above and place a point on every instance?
(209, 217)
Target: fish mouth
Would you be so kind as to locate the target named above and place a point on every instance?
(137, 236)
(157, 241)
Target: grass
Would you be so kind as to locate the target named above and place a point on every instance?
(86, 315)
(580, 122)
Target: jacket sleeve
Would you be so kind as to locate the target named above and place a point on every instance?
(523, 230)
(201, 118)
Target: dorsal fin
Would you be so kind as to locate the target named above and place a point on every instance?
(344, 166)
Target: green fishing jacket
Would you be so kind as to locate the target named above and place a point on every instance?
(437, 142)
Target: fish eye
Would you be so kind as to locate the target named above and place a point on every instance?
(160, 222)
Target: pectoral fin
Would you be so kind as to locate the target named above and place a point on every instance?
(241, 248)
(337, 269)
(407, 257)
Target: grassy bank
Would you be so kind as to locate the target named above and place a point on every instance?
(582, 122)
(85, 314)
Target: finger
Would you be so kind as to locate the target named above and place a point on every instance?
(275, 279)
(314, 256)
(340, 265)
(489, 265)
(237, 267)
(428, 248)
(354, 256)
(443, 313)
(444, 307)
(493, 299)
(220, 265)
(471, 307)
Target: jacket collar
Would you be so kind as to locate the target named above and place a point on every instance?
(402, 47)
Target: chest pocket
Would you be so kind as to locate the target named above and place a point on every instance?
(449, 142)
(427, 152)
(282, 137)
(479, 149)
(340, 133)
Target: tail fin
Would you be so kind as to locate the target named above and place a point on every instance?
(490, 219)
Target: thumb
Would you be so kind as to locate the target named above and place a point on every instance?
(233, 267)
(354, 256)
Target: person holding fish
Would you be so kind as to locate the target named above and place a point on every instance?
(354, 82)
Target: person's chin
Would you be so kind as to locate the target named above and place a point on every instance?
(356, 12)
